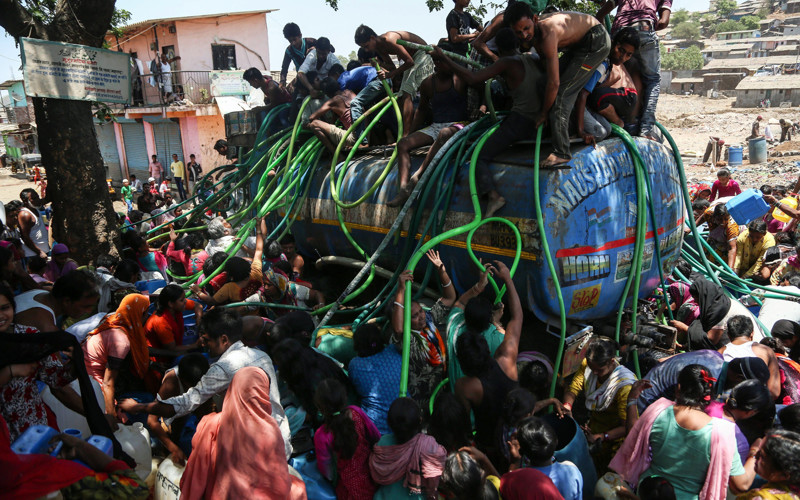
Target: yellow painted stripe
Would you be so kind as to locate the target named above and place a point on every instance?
(506, 252)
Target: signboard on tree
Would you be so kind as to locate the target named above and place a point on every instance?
(77, 72)
(228, 83)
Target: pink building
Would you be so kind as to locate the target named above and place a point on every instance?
(176, 113)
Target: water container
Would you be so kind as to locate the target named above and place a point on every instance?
(102, 443)
(135, 441)
(74, 433)
(574, 448)
(66, 418)
(317, 487)
(168, 481)
(36, 439)
(780, 214)
(150, 286)
(746, 206)
(735, 155)
(757, 149)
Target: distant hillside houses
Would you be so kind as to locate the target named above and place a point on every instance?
(756, 66)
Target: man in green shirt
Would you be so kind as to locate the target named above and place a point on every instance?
(127, 194)
(178, 173)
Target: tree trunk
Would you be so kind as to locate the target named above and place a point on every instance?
(83, 215)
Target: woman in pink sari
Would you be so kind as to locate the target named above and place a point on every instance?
(250, 461)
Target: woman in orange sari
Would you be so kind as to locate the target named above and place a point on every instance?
(119, 336)
(250, 461)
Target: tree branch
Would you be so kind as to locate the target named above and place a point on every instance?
(18, 22)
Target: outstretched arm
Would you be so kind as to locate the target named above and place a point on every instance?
(448, 293)
(476, 289)
(507, 351)
(399, 301)
(467, 75)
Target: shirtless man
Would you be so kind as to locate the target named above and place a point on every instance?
(289, 247)
(338, 103)
(274, 93)
(610, 92)
(525, 79)
(443, 101)
(584, 44)
(416, 66)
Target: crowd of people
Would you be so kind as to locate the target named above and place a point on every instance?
(236, 382)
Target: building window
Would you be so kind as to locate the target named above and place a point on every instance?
(788, 92)
(223, 56)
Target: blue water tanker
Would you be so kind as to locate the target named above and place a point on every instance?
(589, 214)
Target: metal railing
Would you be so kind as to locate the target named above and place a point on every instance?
(178, 86)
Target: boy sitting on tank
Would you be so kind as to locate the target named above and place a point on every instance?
(443, 104)
(416, 66)
(610, 94)
(524, 78)
(584, 45)
(338, 104)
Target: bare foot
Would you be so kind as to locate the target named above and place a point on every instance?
(402, 195)
(494, 205)
(554, 160)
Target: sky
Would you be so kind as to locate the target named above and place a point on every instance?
(315, 18)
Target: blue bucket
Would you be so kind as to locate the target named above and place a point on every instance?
(735, 155)
(572, 446)
(747, 206)
(757, 149)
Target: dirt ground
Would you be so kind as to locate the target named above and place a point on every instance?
(12, 184)
(692, 119)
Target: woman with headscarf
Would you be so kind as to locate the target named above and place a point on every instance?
(684, 308)
(239, 452)
(278, 289)
(708, 330)
(120, 336)
(681, 443)
(605, 384)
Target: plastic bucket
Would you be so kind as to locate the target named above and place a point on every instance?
(757, 149)
(572, 447)
(735, 155)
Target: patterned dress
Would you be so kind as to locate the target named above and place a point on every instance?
(20, 403)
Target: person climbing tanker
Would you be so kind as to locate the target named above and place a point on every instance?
(524, 79)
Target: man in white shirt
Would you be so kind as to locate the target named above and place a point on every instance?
(221, 333)
(321, 59)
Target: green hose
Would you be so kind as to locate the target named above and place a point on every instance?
(537, 202)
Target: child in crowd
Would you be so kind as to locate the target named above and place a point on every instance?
(724, 186)
(60, 264)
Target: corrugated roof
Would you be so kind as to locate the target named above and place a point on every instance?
(686, 80)
(149, 22)
(751, 63)
(770, 82)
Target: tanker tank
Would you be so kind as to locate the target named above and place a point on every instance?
(589, 212)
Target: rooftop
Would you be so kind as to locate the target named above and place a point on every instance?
(769, 82)
(151, 22)
(750, 63)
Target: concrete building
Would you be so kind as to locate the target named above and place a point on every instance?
(777, 88)
(18, 131)
(738, 35)
(190, 120)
